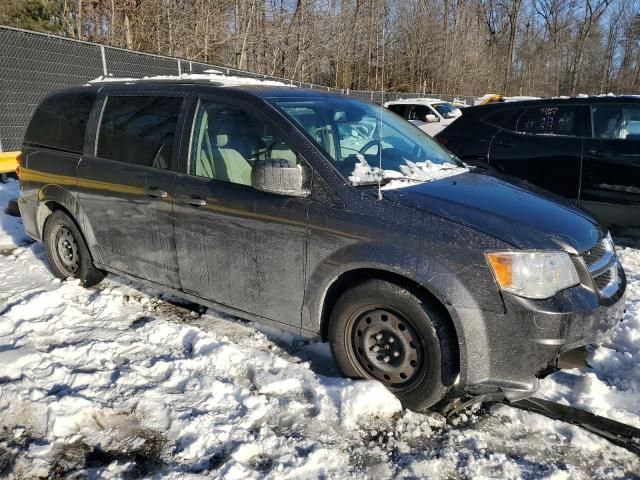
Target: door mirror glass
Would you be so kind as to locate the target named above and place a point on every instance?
(431, 118)
(278, 176)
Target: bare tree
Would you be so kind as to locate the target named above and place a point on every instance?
(541, 47)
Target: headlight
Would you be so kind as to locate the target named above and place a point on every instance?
(608, 243)
(533, 274)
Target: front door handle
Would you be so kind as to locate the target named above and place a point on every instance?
(188, 199)
(155, 192)
(505, 144)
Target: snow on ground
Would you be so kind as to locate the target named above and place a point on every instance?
(11, 231)
(612, 387)
(119, 381)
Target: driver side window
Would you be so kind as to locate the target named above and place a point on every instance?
(420, 112)
(228, 141)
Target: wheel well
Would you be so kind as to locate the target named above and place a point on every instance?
(44, 213)
(51, 206)
(353, 277)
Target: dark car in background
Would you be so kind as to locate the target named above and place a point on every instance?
(263, 202)
(584, 149)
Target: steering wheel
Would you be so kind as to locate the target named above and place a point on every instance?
(266, 150)
(370, 144)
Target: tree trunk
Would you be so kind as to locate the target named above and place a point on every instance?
(514, 17)
(79, 21)
(128, 34)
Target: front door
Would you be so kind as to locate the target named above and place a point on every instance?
(611, 173)
(124, 187)
(236, 245)
(545, 148)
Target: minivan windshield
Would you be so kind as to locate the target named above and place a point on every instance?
(368, 143)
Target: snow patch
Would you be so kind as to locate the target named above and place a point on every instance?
(115, 382)
(410, 173)
(11, 229)
(612, 387)
(212, 76)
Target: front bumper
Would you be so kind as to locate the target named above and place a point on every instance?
(523, 342)
(28, 212)
(8, 162)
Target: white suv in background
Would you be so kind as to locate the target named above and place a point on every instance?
(429, 114)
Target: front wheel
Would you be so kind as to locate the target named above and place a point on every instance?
(382, 331)
(67, 252)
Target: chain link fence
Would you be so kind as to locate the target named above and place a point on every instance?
(34, 64)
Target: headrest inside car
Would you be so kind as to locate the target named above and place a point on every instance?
(221, 139)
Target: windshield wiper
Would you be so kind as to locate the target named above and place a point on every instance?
(385, 181)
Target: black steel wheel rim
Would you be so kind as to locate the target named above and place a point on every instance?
(386, 346)
(66, 249)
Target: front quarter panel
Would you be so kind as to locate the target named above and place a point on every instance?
(444, 257)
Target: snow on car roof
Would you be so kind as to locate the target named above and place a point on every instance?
(416, 100)
(209, 76)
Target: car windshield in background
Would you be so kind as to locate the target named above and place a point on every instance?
(447, 110)
(359, 137)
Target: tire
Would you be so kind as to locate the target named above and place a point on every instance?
(12, 208)
(67, 251)
(382, 331)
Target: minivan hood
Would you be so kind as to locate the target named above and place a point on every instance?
(516, 213)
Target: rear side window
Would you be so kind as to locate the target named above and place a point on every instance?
(60, 121)
(398, 109)
(139, 130)
(503, 117)
(550, 120)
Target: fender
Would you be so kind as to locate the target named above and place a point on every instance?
(467, 284)
(53, 193)
(458, 289)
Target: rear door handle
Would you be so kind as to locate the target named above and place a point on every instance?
(599, 153)
(505, 144)
(188, 199)
(155, 192)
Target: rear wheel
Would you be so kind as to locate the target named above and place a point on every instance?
(382, 331)
(67, 251)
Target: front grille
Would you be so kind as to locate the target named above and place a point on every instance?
(603, 279)
(594, 254)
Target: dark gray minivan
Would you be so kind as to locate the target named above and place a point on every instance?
(326, 215)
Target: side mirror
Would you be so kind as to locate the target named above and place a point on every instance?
(431, 118)
(279, 177)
